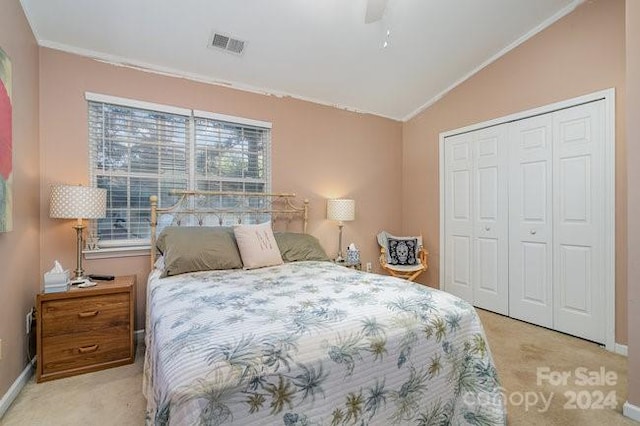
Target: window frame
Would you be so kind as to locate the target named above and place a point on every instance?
(140, 247)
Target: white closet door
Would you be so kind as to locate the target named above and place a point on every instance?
(579, 290)
(491, 222)
(530, 225)
(458, 219)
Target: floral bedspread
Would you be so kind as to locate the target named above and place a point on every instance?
(314, 343)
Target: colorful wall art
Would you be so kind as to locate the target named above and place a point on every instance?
(6, 145)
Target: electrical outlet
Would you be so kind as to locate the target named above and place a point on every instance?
(368, 267)
(28, 320)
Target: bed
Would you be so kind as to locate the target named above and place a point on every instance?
(307, 342)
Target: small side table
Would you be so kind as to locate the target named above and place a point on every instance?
(85, 329)
(357, 266)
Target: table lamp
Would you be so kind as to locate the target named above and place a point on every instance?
(342, 210)
(78, 202)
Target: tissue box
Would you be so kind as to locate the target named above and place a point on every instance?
(58, 288)
(56, 279)
(353, 256)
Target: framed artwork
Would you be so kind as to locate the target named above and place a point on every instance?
(6, 145)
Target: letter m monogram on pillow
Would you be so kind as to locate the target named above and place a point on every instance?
(264, 240)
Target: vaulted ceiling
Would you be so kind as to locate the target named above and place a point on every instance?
(319, 50)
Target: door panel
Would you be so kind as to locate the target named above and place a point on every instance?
(461, 198)
(488, 195)
(535, 185)
(488, 278)
(491, 254)
(579, 290)
(534, 289)
(575, 264)
(458, 220)
(575, 184)
(530, 227)
(461, 267)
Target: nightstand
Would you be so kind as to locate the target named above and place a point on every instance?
(85, 329)
(357, 265)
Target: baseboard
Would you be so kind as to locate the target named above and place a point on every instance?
(138, 335)
(620, 349)
(631, 411)
(16, 387)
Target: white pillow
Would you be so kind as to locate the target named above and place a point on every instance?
(257, 245)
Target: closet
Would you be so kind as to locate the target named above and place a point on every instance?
(527, 216)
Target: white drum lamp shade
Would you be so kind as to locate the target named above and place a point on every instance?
(77, 202)
(341, 209)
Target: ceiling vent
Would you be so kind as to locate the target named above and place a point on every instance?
(226, 43)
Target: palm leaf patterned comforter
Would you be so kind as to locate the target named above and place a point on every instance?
(314, 343)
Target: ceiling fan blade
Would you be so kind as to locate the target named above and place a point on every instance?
(375, 10)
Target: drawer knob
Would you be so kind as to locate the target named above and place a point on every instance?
(88, 314)
(88, 349)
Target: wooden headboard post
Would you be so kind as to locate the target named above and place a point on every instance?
(278, 206)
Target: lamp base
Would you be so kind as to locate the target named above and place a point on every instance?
(79, 277)
(339, 258)
(79, 272)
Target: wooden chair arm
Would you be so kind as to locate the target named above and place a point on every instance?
(383, 257)
(424, 256)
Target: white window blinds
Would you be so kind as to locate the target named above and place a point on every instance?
(230, 157)
(137, 152)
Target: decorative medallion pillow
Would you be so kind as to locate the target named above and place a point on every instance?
(402, 251)
(258, 247)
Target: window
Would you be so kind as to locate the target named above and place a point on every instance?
(138, 149)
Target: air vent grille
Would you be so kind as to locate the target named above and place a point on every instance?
(235, 46)
(226, 43)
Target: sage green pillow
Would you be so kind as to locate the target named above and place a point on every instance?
(297, 247)
(198, 248)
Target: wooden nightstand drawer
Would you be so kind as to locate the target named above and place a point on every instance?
(91, 348)
(85, 329)
(91, 313)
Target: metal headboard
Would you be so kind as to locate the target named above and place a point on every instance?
(202, 208)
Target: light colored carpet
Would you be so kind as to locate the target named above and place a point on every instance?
(104, 398)
(523, 353)
(114, 397)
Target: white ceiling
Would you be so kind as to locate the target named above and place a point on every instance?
(319, 50)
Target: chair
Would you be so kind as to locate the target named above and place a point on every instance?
(402, 257)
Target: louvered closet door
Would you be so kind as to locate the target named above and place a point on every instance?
(579, 289)
(530, 225)
(458, 220)
(491, 246)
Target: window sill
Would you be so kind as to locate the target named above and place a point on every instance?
(113, 252)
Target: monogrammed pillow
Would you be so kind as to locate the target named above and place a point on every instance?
(257, 245)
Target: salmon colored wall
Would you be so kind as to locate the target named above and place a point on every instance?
(633, 159)
(582, 53)
(20, 249)
(317, 152)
